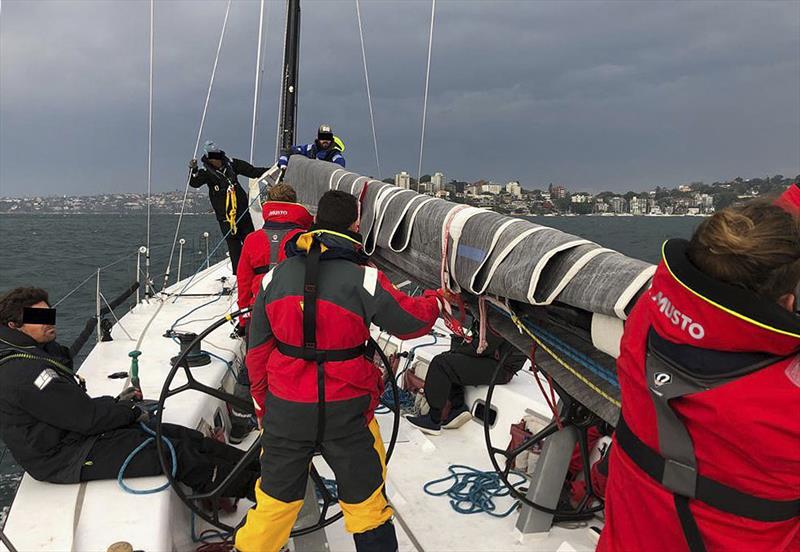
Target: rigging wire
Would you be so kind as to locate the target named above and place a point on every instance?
(427, 81)
(149, 151)
(196, 145)
(259, 71)
(188, 178)
(369, 95)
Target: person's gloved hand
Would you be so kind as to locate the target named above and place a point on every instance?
(193, 164)
(241, 329)
(130, 394)
(141, 415)
(448, 296)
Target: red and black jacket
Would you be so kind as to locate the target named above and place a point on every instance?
(349, 296)
(264, 249)
(707, 449)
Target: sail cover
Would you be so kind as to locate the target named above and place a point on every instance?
(552, 275)
(486, 252)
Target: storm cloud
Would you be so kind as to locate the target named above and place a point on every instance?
(593, 95)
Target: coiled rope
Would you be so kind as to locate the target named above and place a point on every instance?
(472, 491)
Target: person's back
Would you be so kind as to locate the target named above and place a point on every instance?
(284, 218)
(707, 449)
(314, 387)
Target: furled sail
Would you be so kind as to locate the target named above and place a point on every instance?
(575, 291)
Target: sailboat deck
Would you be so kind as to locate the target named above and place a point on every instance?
(91, 516)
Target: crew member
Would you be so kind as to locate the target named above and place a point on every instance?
(312, 383)
(229, 200)
(284, 218)
(326, 147)
(462, 365)
(706, 452)
(59, 434)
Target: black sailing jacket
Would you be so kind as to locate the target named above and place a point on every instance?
(47, 419)
(219, 180)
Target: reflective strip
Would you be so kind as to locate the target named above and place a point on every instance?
(45, 377)
(370, 279)
(266, 280)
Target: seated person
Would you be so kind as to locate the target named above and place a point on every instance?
(59, 434)
(326, 147)
(462, 365)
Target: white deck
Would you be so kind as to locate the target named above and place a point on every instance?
(91, 516)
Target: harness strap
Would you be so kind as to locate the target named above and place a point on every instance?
(691, 532)
(713, 493)
(327, 355)
(262, 269)
(230, 208)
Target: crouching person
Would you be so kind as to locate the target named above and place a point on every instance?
(59, 434)
(313, 386)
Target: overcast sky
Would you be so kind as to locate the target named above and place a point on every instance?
(594, 95)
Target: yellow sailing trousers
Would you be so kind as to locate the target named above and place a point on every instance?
(357, 459)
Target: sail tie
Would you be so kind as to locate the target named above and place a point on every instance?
(455, 325)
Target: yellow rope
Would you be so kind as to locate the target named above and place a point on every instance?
(518, 323)
(230, 208)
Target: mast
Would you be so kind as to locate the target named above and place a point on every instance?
(291, 60)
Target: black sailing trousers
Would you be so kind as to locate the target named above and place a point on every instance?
(202, 462)
(447, 375)
(235, 241)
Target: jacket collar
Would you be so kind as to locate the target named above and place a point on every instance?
(690, 307)
(282, 212)
(15, 339)
(334, 245)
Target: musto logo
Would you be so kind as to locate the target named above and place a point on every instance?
(678, 318)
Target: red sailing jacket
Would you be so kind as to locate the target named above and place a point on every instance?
(256, 251)
(350, 297)
(790, 200)
(745, 433)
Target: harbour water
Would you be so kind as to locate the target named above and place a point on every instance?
(60, 252)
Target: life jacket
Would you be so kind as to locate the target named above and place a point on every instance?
(709, 436)
(275, 232)
(315, 152)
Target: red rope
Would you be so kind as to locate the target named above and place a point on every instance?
(554, 404)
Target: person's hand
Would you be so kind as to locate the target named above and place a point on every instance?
(193, 165)
(240, 330)
(448, 296)
(141, 415)
(130, 394)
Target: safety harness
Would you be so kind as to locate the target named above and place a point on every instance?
(275, 232)
(675, 467)
(309, 350)
(230, 208)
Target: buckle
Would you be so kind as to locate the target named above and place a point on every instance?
(310, 345)
(310, 288)
(680, 478)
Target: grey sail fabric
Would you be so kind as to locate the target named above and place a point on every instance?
(486, 252)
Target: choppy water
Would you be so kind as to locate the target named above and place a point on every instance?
(57, 252)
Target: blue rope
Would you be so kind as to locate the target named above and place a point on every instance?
(577, 356)
(567, 350)
(406, 400)
(473, 491)
(195, 309)
(151, 439)
(228, 364)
